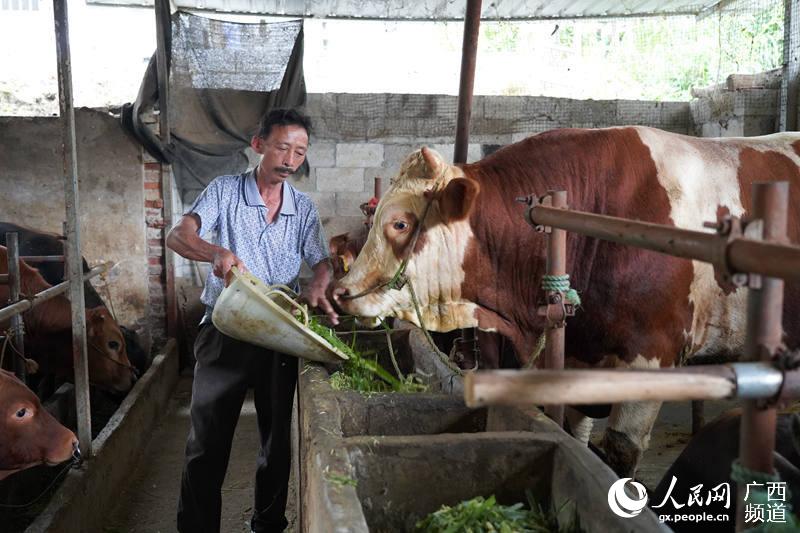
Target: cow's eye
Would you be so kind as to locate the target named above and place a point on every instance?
(21, 413)
(400, 225)
(114, 345)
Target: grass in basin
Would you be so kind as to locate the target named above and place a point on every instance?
(484, 515)
(362, 372)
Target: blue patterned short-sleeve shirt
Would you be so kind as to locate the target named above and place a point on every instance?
(232, 207)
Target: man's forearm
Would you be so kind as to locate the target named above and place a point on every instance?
(188, 244)
(322, 273)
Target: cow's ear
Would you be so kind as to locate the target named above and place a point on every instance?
(457, 199)
(436, 165)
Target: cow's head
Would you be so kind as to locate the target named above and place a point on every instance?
(109, 366)
(435, 265)
(29, 435)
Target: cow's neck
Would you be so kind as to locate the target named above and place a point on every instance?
(507, 259)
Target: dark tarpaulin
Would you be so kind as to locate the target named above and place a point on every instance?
(223, 77)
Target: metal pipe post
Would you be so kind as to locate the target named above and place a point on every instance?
(764, 331)
(377, 187)
(554, 331)
(72, 249)
(469, 51)
(163, 27)
(17, 325)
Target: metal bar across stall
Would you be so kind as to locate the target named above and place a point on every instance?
(739, 254)
(592, 386)
(29, 303)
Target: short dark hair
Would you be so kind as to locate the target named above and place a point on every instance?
(282, 117)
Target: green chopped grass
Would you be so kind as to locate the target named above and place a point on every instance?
(484, 515)
(361, 372)
(339, 480)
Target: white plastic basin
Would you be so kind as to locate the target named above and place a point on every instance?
(251, 311)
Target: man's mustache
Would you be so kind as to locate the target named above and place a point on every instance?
(290, 170)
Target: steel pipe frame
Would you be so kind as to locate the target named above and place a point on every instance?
(72, 248)
(14, 280)
(764, 335)
(750, 381)
(42, 258)
(469, 52)
(734, 255)
(24, 305)
(727, 255)
(554, 332)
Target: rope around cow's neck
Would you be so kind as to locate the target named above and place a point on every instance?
(7, 343)
(45, 491)
(400, 280)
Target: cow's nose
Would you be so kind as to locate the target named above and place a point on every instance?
(339, 293)
(76, 453)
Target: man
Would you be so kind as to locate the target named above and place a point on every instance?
(266, 226)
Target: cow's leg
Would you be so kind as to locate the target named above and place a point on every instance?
(580, 425)
(628, 435)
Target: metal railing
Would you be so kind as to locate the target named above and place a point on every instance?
(761, 382)
(20, 303)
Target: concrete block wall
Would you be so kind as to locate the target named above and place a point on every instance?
(112, 204)
(741, 112)
(358, 137)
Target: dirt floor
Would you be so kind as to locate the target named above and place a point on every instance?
(150, 502)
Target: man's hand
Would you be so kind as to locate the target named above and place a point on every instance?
(316, 293)
(224, 260)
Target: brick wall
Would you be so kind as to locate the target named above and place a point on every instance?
(154, 220)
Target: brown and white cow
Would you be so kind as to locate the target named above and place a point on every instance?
(478, 264)
(48, 334)
(29, 435)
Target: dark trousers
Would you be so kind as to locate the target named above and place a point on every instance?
(225, 369)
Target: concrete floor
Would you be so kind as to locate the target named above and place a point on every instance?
(149, 503)
(670, 435)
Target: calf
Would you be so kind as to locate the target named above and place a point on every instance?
(48, 339)
(29, 435)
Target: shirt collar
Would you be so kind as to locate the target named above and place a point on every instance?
(253, 198)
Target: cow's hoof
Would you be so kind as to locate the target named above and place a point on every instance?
(622, 455)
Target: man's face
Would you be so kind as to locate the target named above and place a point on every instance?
(284, 150)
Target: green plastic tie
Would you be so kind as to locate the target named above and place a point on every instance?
(561, 284)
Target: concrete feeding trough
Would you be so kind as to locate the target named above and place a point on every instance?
(381, 462)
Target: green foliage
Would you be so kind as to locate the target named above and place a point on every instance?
(340, 480)
(362, 372)
(501, 36)
(484, 515)
(664, 57)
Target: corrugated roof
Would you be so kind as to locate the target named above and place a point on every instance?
(441, 9)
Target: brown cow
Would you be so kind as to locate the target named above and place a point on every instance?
(478, 264)
(344, 251)
(48, 335)
(29, 435)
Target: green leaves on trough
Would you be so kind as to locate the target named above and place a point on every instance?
(360, 372)
(485, 515)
